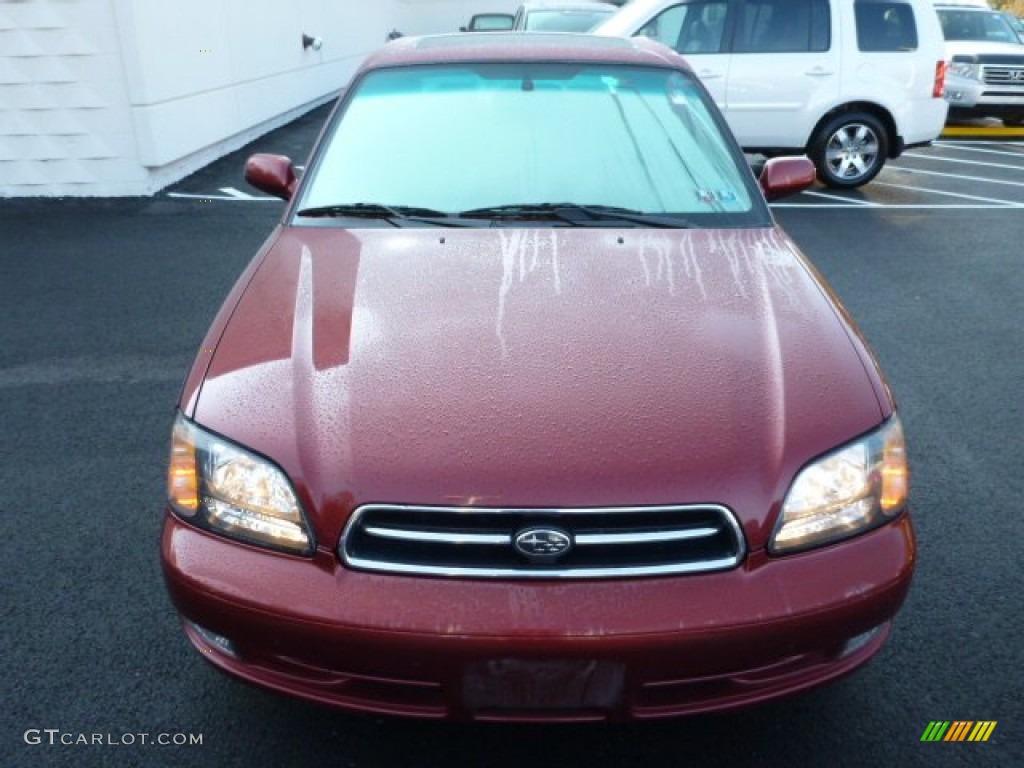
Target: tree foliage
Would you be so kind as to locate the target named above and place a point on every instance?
(1013, 6)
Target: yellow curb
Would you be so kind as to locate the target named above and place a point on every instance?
(982, 132)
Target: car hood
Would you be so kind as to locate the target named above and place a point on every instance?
(982, 47)
(536, 368)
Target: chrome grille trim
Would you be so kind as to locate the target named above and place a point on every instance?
(1005, 75)
(608, 542)
(448, 538)
(642, 538)
(515, 573)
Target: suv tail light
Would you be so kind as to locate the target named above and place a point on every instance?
(940, 79)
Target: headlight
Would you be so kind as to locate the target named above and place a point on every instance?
(857, 487)
(965, 69)
(226, 489)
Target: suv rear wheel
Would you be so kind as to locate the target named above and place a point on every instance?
(849, 150)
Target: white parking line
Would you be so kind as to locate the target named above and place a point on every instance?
(997, 203)
(239, 194)
(940, 159)
(984, 179)
(230, 198)
(985, 143)
(971, 148)
(848, 201)
(901, 206)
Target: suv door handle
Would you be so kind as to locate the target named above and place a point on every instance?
(819, 72)
(708, 74)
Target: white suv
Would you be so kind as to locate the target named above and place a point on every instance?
(986, 71)
(849, 82)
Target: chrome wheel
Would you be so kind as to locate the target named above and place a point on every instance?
(852, 151)
(849, 150)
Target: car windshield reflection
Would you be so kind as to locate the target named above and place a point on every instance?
(516, 134)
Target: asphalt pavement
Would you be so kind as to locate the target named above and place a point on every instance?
(104, 303)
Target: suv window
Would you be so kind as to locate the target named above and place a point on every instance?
(765, 26)
(783, 26)
(884, 25)
(970, 24)
(695, 27)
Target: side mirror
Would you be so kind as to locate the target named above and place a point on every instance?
(273, 174)
(783, 176)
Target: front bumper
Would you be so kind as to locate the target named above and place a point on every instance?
(568, 650)
(969, 97)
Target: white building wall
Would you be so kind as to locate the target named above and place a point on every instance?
(122, 97)
(207, 76)
(65, 122)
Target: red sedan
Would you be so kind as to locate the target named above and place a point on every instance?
(528, 410)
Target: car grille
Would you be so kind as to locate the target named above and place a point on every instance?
(1004, 75)
(596, 543)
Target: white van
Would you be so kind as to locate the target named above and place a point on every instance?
(848, 82)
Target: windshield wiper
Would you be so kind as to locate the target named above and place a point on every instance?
(571, 214)
(393, 214)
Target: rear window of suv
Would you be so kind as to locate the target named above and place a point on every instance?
(884, 25)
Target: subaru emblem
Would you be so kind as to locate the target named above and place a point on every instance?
(541, 545)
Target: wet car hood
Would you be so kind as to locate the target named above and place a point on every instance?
(536, 368)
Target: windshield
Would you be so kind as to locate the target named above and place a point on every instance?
(976, 25)
(458, 138)
(491, 22)
(565, 21)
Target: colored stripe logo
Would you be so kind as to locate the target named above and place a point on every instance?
(958, 730)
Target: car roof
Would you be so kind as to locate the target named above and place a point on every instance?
(500, 47)
(555, 5)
